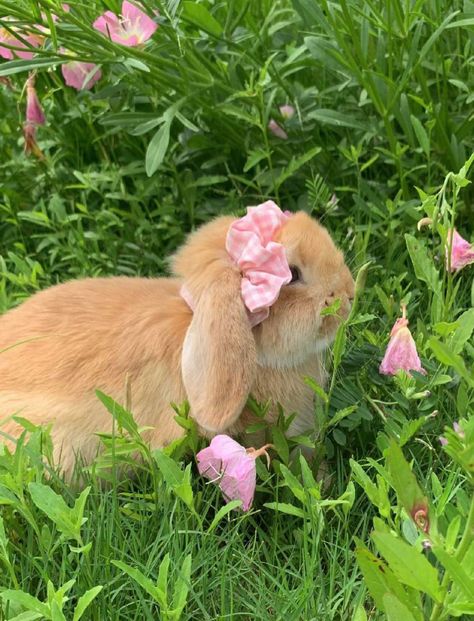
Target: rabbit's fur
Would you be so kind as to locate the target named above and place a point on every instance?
(63, 343)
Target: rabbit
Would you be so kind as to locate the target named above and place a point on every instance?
(64, 342)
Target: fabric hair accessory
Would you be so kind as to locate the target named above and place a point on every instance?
(261, 260)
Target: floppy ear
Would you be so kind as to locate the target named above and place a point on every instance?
(219, 354)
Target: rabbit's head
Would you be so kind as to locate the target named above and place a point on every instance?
(223, 348)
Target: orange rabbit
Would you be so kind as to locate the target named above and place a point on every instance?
(63, 343)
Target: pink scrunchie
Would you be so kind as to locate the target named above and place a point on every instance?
(261, 260)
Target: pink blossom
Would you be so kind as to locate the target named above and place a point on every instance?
(443, 441)
(462, 252)
(9, 38)
(401, 351)
(232, 467)
(31, 146)
(80, 75)
(34, 111)
(277, 130)
(131, 28)
(458, 429)
(287, 111)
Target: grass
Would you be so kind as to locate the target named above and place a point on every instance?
(383, 97)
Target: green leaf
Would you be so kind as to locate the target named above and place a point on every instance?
(177, 480)
(18, 66)
(254, 157)
(27, 616)
(157, 148)
(285, 507)
(447, 357)
(56, 612)
(463, 332)
(27, 601)
(3, 541)
(338, 119)
(281, 444)
(423, 265)
(460, 608)
(156, 593)
(421, 134)
(456, 572)
(181, 589)
(55, 508)
(198, 15)
(379, 578)
(162, 581)
(85, 600)
(395, 610)
(123, 417)
(223, 511)
(293, 483)
(340, 415)
(404, 481)
(409, 565)
(316, 388)
(295, 164)
(359, 613)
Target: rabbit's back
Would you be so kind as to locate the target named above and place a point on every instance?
(65, 342)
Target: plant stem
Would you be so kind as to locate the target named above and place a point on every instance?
(466, 540)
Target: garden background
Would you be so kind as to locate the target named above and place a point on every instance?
(178, 129)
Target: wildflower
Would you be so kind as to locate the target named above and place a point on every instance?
(232, 467)
(287, 111)
(8, 37)
(458, 429)
(34, 111)
(131, 28)
(462, 252)
(80, 75)
(277, 130)
(443, 441)
(401, 351)
(34, 117)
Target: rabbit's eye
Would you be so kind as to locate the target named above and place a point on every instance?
(295, 274)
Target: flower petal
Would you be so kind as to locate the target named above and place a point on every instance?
(76, 74)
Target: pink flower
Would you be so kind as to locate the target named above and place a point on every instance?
(34, 111)
(31, 146)
(462, 252)
(277, 130)
(9, 38)
(401, 351)
(232, 467)
(80, 75)
(287, 111)
(131, 28)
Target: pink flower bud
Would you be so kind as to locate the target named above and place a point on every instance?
(277, 130)
(457, 428)
(34, 111)
(462, 252)
(401, 351)
(287, 111)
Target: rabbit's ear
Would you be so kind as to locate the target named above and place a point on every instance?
(219, 355)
